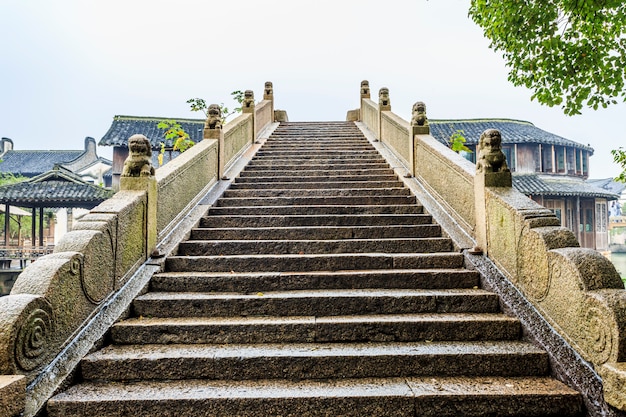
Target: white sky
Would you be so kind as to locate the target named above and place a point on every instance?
(68, 66)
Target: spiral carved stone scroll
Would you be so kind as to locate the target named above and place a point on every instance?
(599, 335)
(32, 342)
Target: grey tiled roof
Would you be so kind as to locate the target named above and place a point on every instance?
(513, 131)
(608, 184)
(56, 188)
(124, 127)
(31, 163)
(531, 184)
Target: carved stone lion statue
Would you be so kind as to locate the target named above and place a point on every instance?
(419, 114)
(365, 88)
(383, 97)
(269, 89)
(139, 161)
(490, 155)
(248, 99)
(214, 119)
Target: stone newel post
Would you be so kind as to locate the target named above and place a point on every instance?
(268, 94)
(419, 126)
(138, 175)
(365, 89)
(213, 130)
(491, 171)
(384, 104)
(248, 107)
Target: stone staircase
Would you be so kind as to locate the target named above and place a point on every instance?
(317, 286)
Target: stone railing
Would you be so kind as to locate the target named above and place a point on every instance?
(576, 290)
(64, 302)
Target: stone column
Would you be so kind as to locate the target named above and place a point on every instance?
(138, 175)
(491, 171)
(213, 130)
(419, 126)
(365, 93)
(384, 104)
(268, 94)
(247, 107)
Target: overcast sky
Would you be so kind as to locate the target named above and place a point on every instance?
(68, 66)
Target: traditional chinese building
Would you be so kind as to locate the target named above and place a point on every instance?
(548, 168)
(29, 163)
(124, 127)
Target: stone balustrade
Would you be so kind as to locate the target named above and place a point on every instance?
(576, 290)
(64, 302)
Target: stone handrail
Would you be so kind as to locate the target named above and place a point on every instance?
(393, 132)
(55, 298)
(238, 135)
(576, 290)
(370, 115)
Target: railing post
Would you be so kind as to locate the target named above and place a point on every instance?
(365, 93)
(138, 175)
(491, 171)
(268, 94)
(419, 126)
(384, 104)
(247, 107)
(213, 130)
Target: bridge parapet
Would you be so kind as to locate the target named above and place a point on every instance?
(55, 299)
(576, 290)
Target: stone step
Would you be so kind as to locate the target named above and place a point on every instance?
(317, 201)
(318, 158)
(357, 146)
(310, 329)
(328, 302)
(316, 192)
(315, 303)
(255, 282)
(308, 262)
(314, 361)
(309, 185)
(333, 166)
(305, 153)
(317, 232)
(371, 397)
(402, 209)
(275, 219)
(326, 173)
(285, 247)
(316, 179)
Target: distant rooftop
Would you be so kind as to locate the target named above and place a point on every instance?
(533, 184)
(513, 131)
(58, 187)
(124, 127)
(31, 163)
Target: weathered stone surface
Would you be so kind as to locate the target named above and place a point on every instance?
(349, 329)
(131, 211)
(614, 380)
(12, 395)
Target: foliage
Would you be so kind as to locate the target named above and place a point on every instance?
(7, 178)
(570, 53)
(198, 104)
(181, 139)
(174, 131)
(457, 142)
(619, 157)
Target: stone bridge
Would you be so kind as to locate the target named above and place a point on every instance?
(392, 278)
